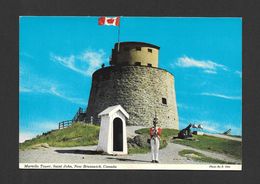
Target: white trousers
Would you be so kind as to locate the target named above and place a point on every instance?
(155, 144)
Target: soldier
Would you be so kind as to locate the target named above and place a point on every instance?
(155, 134)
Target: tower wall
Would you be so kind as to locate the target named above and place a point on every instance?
(132, 53)
(139, 90)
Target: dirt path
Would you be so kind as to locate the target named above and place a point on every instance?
(87, 154)
(168, 155)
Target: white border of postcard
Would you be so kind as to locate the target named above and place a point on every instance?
(230, 167)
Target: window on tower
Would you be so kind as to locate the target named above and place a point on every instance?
(164, 101)
(150, 50)
(138, 48)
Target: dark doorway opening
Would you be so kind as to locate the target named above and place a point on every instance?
(117, 134)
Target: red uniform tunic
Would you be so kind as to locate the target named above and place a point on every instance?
(159, 131)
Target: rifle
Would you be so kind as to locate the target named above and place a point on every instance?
(155, 132)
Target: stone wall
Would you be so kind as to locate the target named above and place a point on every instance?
(144, 57)
(131, 55)
(139, 90)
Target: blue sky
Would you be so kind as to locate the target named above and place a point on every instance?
(59, 54)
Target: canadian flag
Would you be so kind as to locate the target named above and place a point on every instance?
(109, 21)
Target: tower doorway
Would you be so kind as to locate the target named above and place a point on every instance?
(117, 134)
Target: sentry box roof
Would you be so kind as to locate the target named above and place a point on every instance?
(113, 109)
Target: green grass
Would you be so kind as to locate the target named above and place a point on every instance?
(139, 150)
(201, 157)
(78, 134)
(167, 133)
(210, 143)
(85, 134)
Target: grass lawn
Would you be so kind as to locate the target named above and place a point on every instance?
(194, 155)
(139, 150)
(78, 134)
(210, 143)
(167, 133)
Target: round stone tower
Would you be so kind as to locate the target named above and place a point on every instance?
(135, 82)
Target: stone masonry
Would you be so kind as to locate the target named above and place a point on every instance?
(141, 90)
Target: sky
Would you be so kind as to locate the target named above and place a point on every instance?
(57, 56)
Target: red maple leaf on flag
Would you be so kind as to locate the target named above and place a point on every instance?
(110, 21)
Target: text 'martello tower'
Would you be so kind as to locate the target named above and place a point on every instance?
(134, 81)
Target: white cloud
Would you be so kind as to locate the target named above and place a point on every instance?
(23, 136)
(36, 128)
(238, 73)
(207, 66)
(222, 96)
(234, 129)
(23, 89)
(54, 92)
(85, 63)
(210, 126)
(30, 83)
(26, 55)
(210, 71)
(183, 106)
(45, 126)
(94, 60)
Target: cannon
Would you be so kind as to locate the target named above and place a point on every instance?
(228, 132)
(186, 132)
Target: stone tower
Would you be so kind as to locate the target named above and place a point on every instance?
(134, 81)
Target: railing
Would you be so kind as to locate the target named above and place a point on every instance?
(65, 124)
(68, 123)
(77, 114)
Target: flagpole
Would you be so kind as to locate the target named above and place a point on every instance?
(118, 44)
